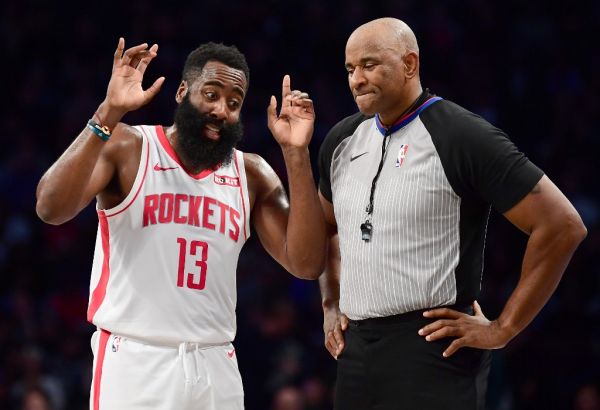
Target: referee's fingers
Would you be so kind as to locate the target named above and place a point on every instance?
(339, 338)
(443, 313)
(454, 346)
(330, 344)
(344, 322)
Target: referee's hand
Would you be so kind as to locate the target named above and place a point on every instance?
(467, 331)
(334, 325)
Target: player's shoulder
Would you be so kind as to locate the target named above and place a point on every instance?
(258, 171)
(125, 136)
(254, 163)
(125, 143)
(260, 176)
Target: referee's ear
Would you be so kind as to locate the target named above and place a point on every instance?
(411, 64)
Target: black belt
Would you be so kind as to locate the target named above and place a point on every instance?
(406, 317)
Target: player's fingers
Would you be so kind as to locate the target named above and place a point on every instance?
(305, 105)
(140, 56)
(153, 89)
(299, 95)
(146, 60)
(302, 101)
(272, 111)
(453, 347)
(130, 53)
(286, 108)
(285, 87)
(119, 51)
(443, 312)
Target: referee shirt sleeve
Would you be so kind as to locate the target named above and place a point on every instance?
(479, 159)
(340, 131)
(325, 157)
(501, 173)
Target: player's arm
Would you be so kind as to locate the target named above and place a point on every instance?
(84, 170)
(291, 238)
(90, 164)
(293, 233)
(555, 230)
(334, 322)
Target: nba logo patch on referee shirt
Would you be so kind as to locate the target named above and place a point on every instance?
(401, 155)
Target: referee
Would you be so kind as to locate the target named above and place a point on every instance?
(406, 186)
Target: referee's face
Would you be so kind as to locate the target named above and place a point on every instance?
(376, 73)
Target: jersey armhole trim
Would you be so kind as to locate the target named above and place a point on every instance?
(241, 171)
(139, 179)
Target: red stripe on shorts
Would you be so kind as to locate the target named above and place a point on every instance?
(104, 335)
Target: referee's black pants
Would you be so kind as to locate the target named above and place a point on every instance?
(386, 365)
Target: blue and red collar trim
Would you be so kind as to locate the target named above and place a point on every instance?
(406, 119)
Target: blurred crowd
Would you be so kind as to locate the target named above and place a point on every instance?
(531, 68)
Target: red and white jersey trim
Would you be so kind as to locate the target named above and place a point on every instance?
(137, 183)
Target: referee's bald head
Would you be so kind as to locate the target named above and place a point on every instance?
(386, 32)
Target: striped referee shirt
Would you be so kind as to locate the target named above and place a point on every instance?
(443, 168)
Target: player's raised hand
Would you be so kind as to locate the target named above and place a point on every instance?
(294, 125)
(125, 92)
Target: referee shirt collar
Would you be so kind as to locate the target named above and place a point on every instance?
(424, 101)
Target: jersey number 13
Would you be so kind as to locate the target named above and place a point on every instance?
(199, 250)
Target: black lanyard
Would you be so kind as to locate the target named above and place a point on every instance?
(366, 228)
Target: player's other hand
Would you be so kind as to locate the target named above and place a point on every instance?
(125, 92)
(335, 324)
(294, 125)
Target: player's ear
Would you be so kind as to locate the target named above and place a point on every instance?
(182, 90)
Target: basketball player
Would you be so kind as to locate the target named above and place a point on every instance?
(407, 185)
(175, 206)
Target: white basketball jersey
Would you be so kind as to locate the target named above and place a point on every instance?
(165, 261)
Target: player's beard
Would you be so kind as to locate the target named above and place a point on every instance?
(197, 150)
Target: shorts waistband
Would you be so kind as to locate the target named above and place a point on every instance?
(185, 346)
(405, 317)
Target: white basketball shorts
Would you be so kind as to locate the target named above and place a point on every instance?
(132, 374)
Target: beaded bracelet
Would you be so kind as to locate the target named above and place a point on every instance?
(103, 132)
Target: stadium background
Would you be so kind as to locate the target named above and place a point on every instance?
(530, 68)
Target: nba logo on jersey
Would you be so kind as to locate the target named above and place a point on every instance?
(116, 343)
(401, 155)
(225, 180)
